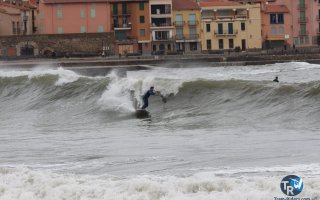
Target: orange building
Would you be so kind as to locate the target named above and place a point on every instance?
(74, 16)
(130, 22)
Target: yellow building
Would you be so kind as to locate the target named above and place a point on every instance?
(187, 19)
(230, 25)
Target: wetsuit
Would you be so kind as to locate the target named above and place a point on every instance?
(146, 97)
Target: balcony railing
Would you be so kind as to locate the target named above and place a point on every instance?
(118, 14)
(122, 26)
(187, 37)
(302, 7)
(179, 23)
(193, 22)
(302, 33)
(162, 25)
(303, 20)
(159, 12)
(162, 38)
(226, 33)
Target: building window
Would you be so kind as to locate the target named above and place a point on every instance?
(82, 14)
(273, 30)
(220, 28)
(93, 13)
(314, 39)
(193, 33)
(208, 27)
(82, 29)
(154, 47)
(142, 32)
(141, 6)
(193, 46)
(141, 19)
(18, 28)
(115, 9)
(59, 13)
(192, 20)
(100, 29)
(124, 8)
(230, 28)
(280, 19)
(281, 30)
(60, 30)
(307, 39)
(220, 43)
(179, 20)
(296, 41)
(301, 40)
(14, 30)
(276, 19)
(208, 44)
(273, 18)
(169, 47)
(243, 26)
(179, 32)
(231, 45)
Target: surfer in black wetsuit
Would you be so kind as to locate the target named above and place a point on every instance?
(276, 80)
(146, 97)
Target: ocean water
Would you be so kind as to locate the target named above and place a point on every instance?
(225, 133)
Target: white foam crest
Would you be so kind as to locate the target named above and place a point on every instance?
(26, 184)
(65, 76)
(122, 92)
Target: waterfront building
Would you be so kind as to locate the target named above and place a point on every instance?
(74, 16)
(17, 18)
(276, 26)
(130, 22)
(161, 21)
(187, 19)
(301, 22)
(230, 25)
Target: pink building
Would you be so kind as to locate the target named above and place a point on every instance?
(74, 16)
(276, 24)
(301, 21)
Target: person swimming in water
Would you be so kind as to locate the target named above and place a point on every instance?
(146, 97)
(276, 80)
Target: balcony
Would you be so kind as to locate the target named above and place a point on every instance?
(303, 20)
(179, 23)
(303, 33)
(121, 14)
(122, 27)
(302, 7)
(190, 37)
(161, 25)
(161, 39)
(193, 22)
(226, 33)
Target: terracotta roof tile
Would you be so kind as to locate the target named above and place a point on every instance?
(276, 9)
(185, 5)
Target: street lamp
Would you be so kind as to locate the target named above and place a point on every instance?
(25, 20)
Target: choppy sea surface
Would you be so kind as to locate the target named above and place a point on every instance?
(224, 133)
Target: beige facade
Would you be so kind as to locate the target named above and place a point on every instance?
(230, 26)
(10, 23)
(187, 19)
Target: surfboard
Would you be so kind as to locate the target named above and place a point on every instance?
(140, 113)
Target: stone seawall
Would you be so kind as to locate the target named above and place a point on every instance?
(56, 45)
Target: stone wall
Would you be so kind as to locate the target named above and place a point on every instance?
(84, 44)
